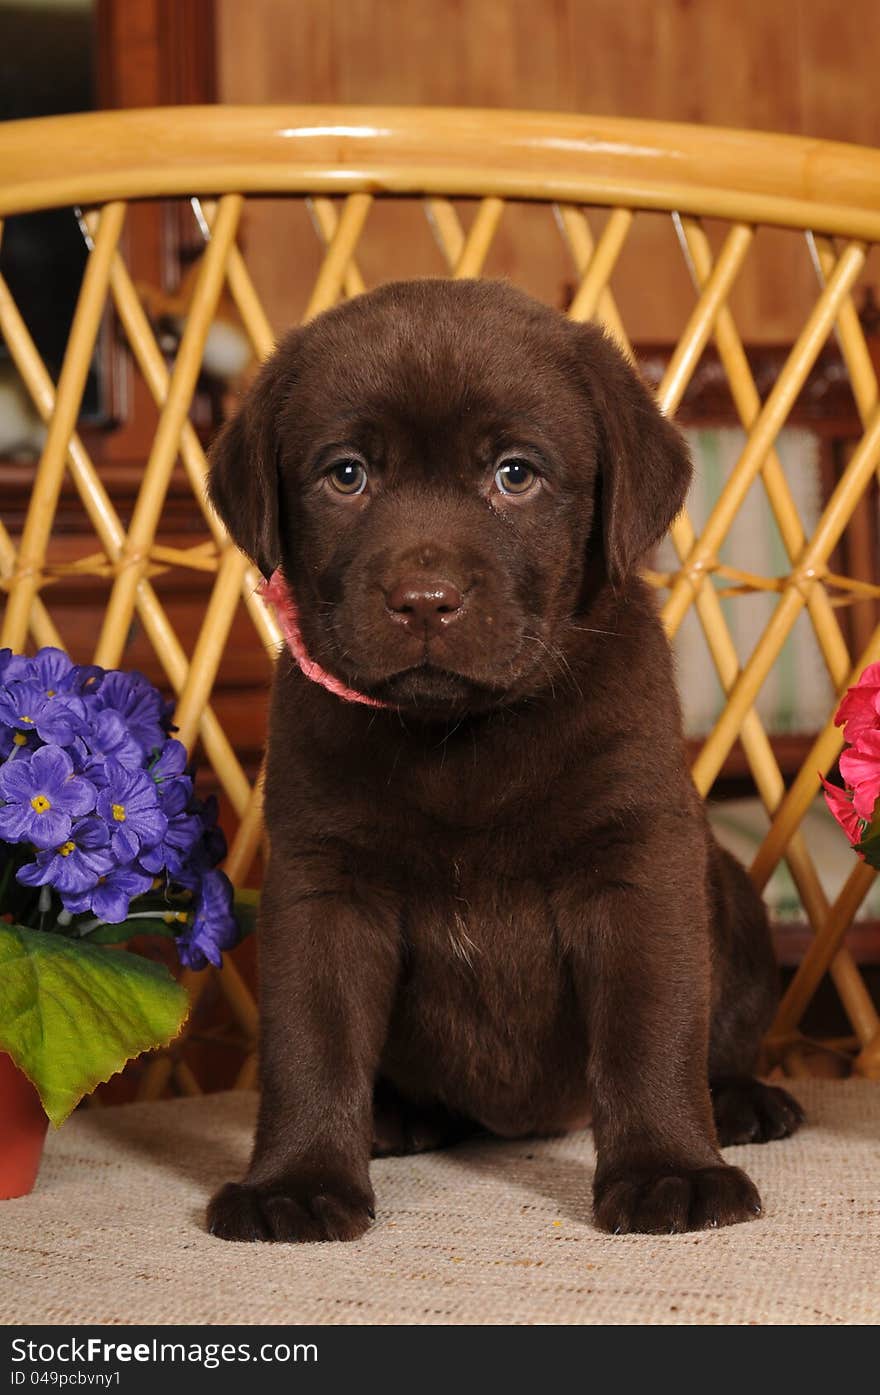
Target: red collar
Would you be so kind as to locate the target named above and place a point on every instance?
(277, 594)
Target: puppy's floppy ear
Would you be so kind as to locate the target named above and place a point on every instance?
(644, 467)
(244, 475)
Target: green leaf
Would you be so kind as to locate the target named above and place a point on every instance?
(72, 1014)
(245, 908)
(869, 847)
(118, 934)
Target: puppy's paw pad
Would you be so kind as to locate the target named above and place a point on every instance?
(748, 1111)
(665, 1202)
(289, 1212)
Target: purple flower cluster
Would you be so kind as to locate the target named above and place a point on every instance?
(93, 784)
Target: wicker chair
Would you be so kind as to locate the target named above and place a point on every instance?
(584, 172)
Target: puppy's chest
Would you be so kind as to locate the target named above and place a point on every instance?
(489, 931)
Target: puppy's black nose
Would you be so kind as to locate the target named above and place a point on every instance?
(424, 607)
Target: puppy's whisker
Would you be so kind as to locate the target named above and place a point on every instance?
(536, 639)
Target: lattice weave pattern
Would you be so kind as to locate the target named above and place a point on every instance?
(131, 558)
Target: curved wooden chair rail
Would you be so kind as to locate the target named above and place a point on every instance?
(343, 159)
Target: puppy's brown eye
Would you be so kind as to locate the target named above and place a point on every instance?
(348, 477)
(515, 476)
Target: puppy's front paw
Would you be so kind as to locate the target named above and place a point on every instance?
(303, 1210)
(661, 1201)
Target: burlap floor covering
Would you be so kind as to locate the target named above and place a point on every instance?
(488, 1233)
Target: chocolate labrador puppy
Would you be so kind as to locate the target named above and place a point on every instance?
(493, 903)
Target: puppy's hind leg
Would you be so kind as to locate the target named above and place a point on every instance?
(745, 1109)
(748, 1111)
(402, 1126)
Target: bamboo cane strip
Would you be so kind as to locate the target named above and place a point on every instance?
(166, 442)
(338, 255)
(40, 621)
(250, 307)
(820, 952)
(849, 981)
(238, 995)
(748, 405)
(834, 519)
(479, 239)
(233, 565)
(770, 421)
(110, 531)
(863, 380)
(247, 837)
(158, 1072)
(797, 1066)
(36, 379)
(821, 756)
(465, 255)
(256, 322)
(71, 384)
(867, 1062)
(702, 320)
(828, 744)
(202, 669)
(209, 647)
(446, 227)
(151, 362)
(325, 220)
(602, 263)
(854, 995)
(247, 1076)
(578, 234)
(185, 1078)
(154, 1079)
(195, 559)
(851, 337)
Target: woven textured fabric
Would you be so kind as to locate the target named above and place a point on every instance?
(485, 1233)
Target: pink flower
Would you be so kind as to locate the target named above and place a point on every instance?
(840, 803)
(860, 768)
(860, 710)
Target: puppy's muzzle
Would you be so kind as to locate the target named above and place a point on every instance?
(425, 607)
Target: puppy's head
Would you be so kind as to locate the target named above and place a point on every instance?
(439, 467)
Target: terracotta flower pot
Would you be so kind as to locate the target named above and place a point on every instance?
(23, 1125)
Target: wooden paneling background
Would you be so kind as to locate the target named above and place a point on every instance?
(802, 66)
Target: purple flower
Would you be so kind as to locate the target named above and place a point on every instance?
(110, 898)
(139, 704)
(171, 761)
(183, 831)
(107, 735)
(49, 668)
(75, 865)
(55, 717)
(211, 847)
(213, 929)
(12, 740)
(213, 838)
(5, 657)
(129, 805)
(42, 796)
(54, 672)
